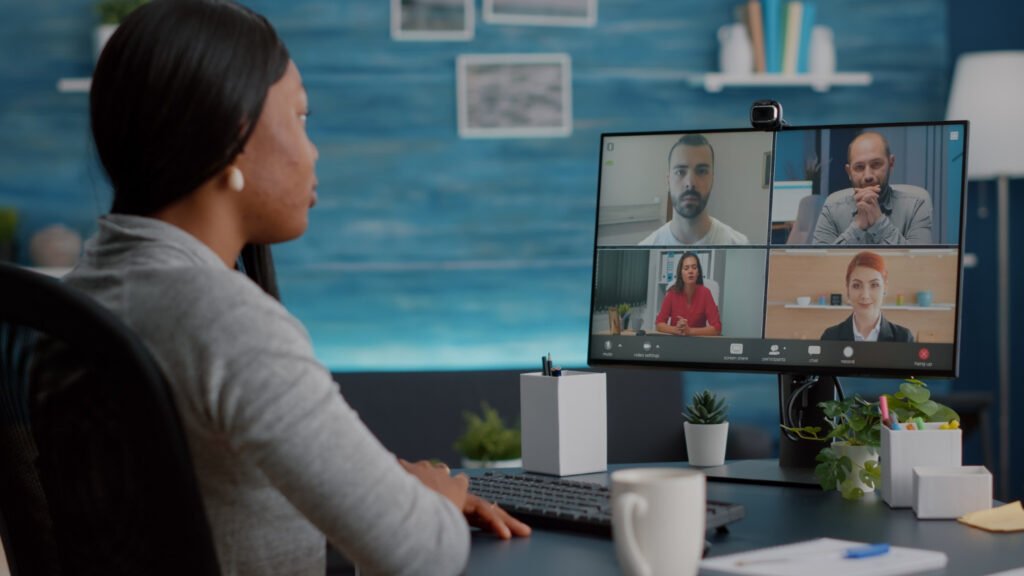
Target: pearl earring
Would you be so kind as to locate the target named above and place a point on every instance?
(236, 180)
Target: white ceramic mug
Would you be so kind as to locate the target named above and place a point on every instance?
(658, 519)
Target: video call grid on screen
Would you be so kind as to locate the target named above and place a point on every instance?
(784, 232)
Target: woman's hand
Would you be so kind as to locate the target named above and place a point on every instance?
(438, 478)
(479, 512)
(682, 327)
(491, 517)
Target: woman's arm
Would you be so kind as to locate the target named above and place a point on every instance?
(661, 322)
(713, 327)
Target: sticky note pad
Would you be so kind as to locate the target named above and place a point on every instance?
(1006, 518)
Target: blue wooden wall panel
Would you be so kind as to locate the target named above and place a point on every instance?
(427, 251)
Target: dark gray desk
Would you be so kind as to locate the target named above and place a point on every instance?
(775, 515)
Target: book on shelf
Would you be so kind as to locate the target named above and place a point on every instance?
(755, 23)
(806, 25)
(772, 10)
(791, 42)
(780, 34)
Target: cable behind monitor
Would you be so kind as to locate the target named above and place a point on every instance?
(799, 396)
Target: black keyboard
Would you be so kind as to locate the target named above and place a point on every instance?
(552, 502)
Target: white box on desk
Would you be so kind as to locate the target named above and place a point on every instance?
(942, 492)
(902, 450)
(564, 423)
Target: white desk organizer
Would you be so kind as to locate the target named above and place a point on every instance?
(947, 493)
(564, 423)
(904, 449)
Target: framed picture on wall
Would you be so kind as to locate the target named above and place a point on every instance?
(427, 20)
(514, 95)
(541, 12)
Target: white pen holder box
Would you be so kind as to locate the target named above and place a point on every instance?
(902, 450)
(948, 492)
(564, 423)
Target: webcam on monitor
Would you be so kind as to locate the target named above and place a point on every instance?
(766, 115)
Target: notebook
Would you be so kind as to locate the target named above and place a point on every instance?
(822, 556)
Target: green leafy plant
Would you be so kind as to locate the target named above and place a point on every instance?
(8, 223)
(706, 408)
(487, 438)
(836, 471)
(623, 309)
(115, 11)
(857, 422)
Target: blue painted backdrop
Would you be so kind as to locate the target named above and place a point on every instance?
(428, 251)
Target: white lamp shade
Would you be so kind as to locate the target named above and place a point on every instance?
(988, 91)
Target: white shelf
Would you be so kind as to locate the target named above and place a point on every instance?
(715, 82)
(933, 307)
(70, 85)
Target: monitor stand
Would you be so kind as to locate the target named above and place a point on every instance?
(799, 396)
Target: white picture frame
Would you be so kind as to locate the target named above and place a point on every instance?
(514, 95)
(433, 20)
(541, 12)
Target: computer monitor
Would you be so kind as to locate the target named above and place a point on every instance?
(812, 252)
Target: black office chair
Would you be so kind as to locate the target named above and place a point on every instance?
(95, 472)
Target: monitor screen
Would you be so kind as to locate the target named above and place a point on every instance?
(824, 249)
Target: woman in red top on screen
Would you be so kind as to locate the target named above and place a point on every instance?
(866, 283)
(688, 308)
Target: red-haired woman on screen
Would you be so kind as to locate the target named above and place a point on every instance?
(866, 283)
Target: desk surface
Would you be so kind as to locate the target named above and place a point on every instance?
(775, 515)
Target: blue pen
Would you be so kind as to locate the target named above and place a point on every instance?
(855, 553)
(867, 551)
(895, 421)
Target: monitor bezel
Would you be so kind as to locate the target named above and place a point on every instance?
(761, 367)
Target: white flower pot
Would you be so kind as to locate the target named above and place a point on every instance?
(470, 463)
(705, 443)
(100, 35)
(859, 455)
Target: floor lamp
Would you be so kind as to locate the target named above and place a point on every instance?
(988, 91)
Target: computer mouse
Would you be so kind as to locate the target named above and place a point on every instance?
(641, 332)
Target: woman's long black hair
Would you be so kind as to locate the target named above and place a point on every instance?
(175, 96)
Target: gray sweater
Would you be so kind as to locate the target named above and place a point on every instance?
(281, 459)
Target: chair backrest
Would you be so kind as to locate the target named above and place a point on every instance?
(96, 476)
(807, 213)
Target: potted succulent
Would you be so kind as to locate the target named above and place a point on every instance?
(111, 13)
(8, 230)
(706, 429)
(849, 463)
(487, 442)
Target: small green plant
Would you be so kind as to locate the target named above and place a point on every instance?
(486, 437)
(706, 408)
(623, 309)
(8, 223)
(836, 471)
(857, 422)
(115, 11)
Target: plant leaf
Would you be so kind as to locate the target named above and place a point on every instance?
(914, 392)
(928, 407)
(850, 491)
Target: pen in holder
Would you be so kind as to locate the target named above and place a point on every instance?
(564, 422)
(902, 450)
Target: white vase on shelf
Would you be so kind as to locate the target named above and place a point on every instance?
(822, 58)
(735, 52)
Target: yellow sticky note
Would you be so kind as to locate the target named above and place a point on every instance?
(1006, 518)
